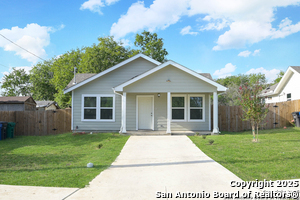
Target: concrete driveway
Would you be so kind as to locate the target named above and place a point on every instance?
(153, 166)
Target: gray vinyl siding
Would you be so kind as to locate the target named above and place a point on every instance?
(104, 85)
(160, 114)
(180, 82)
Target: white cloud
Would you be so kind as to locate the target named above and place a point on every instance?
(248, 53)
(187, 30)
(215, 25)
(248, 21)
(160, 15)
(244, 53)
(33, 37)
(95, 5)
(270, 74)
(226, 71)
(256, 52)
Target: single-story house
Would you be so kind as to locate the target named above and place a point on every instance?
(287, 89)
(22, 103)
(141, 93)
(47, 105)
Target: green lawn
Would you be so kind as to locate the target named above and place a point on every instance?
(57, 160)
(275, 157)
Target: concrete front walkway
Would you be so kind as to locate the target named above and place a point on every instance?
(151, 164)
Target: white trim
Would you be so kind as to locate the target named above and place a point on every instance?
(137, 110)
(124, 98)
(203, 108)
(185, 107)
(209, 112)
(111, 69)
(169, 112)
(120, 88)
(72, 110)
(98, 108)
(216, 128)
(286, 77)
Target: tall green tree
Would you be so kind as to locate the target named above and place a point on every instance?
(16, 83)
(230, 97)
(62, 69)
(42, 87)
(279, 77)
(151, 46)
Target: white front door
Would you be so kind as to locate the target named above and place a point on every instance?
(145, 112)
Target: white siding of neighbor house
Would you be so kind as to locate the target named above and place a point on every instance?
(104, 85)
(292, 86)
(180, 81)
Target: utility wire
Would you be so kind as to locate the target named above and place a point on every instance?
(4, 66)
(22, 47)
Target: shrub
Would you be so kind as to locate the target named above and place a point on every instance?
(211, 141)
(99, 146)
(197, 134)
(204, 136)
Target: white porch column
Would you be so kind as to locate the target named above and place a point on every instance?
(124, 112)
(216, 127)
(169, 113)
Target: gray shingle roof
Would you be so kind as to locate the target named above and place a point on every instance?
(296, 68)
(45, 103)
(206, 75)
(14, 99)
(269, 89)
(79, 78)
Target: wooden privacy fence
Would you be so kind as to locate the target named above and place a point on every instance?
(39, 122)
(279, 115)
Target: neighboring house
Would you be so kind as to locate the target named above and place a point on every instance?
(47, 105)
(17, 103)
(287, 89)
(141, 93)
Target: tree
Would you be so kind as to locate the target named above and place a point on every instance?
(279, 77)
(230, 97)
(94, 59)
(62, 69)
(16, 83)
(40, 78)
(253, 107)
(151, 46)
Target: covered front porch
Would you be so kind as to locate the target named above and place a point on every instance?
(154, 114)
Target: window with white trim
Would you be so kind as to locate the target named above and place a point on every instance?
(196, 108)
(289, 97)
(90, 107)
(178, 108)
(98, 107)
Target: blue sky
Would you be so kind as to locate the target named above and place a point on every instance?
(221, 37)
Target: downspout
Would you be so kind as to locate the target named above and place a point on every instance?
(121, 128)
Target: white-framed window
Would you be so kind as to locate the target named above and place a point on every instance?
(178, 107)
(98, 107)
(196, 108)
(288, 96)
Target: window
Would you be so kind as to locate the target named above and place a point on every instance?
(178, 108)
(90, 107)
(106, 108)
(98, 107)
(289, 96)
(196, 108)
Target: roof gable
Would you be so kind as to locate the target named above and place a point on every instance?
(18, 99)
(140, 55)
(286, 77)
(120, 87)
